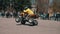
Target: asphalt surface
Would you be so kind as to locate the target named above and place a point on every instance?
(9, 26)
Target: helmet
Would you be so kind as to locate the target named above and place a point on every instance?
(25, 7)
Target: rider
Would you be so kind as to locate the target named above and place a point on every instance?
(29, 12)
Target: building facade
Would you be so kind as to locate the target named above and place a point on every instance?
(46, 4)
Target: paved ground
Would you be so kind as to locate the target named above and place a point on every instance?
(9, 26)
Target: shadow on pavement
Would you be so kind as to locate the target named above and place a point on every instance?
(26, 24)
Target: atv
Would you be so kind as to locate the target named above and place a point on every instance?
(26, 18)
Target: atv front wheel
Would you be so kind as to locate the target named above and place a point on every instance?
(34, 22)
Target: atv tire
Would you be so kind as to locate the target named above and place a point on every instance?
(34, 22)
